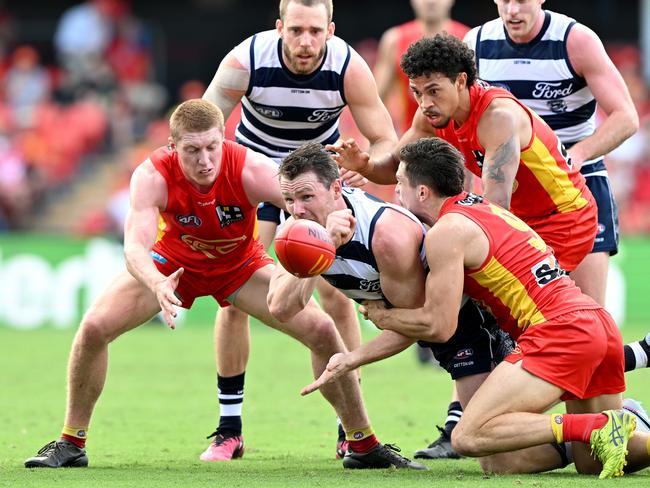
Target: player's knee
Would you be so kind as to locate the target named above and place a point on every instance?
(93, 331)
(323, 336)
(465, 442)
(231, 317)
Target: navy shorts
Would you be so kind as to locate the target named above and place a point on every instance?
(476, 347)
(598, 183)
(270, 213)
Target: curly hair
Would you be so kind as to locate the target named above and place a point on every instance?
(435, 163)
(443, 54)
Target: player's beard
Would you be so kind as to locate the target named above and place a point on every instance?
(298, 68)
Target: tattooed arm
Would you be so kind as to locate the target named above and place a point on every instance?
(503, 130)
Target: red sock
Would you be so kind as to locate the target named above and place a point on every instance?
(578, 427)
(77, 441)
(364, 445)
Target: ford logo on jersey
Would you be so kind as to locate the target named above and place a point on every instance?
(324, 114)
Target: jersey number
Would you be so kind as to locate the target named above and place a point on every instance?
(547, 271)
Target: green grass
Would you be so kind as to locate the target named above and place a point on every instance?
(159, 403)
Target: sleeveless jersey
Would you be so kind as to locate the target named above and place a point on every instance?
(204, 232)
(519, 282)
(282, 110)
(354, 271)
(544, 184)
(539, 74)
(408, 33)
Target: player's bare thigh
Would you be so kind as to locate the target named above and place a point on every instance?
(251, 298)
(123, 305)
(509, 388)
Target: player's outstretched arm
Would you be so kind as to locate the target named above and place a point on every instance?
(148, 197)
(436, 320)
(590, 60)
(379, 169)
(385, 345)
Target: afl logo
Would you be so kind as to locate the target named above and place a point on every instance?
(189, 220)
(601, 228)
(464, 353)
(269, 112)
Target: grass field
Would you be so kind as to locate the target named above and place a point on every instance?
(159, 403)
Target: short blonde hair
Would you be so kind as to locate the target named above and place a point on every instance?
(329, 7)
(196, 115)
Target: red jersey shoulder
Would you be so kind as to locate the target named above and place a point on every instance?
(162, 159)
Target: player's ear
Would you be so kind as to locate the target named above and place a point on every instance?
(423, 192)
(461, 81)
(278, 26)
(336, 188)
(330, 30)
(170, 144)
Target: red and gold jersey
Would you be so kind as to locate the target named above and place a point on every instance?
(408, 33)
(206, 232)
(544, 184)
(519, 282)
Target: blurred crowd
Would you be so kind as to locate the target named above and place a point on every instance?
(97, 95)
(100, 98)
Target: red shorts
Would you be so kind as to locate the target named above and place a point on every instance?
(219, 285)
(571, 235)
(580, 352)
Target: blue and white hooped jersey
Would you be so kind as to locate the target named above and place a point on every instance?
(282, 110)
(354, 271)
(539, 74)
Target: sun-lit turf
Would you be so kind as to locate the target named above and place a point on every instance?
(159, 404)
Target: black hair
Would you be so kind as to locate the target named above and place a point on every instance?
(443, 54)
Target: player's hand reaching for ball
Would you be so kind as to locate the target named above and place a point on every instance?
(337, 365)
(352, 178)
(349, 155)
(167, 298)
(340, 226)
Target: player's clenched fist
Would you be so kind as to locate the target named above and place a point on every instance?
(340, 226)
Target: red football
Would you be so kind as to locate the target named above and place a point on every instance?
(304, 248)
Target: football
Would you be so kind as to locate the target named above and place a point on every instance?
(304, 248)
